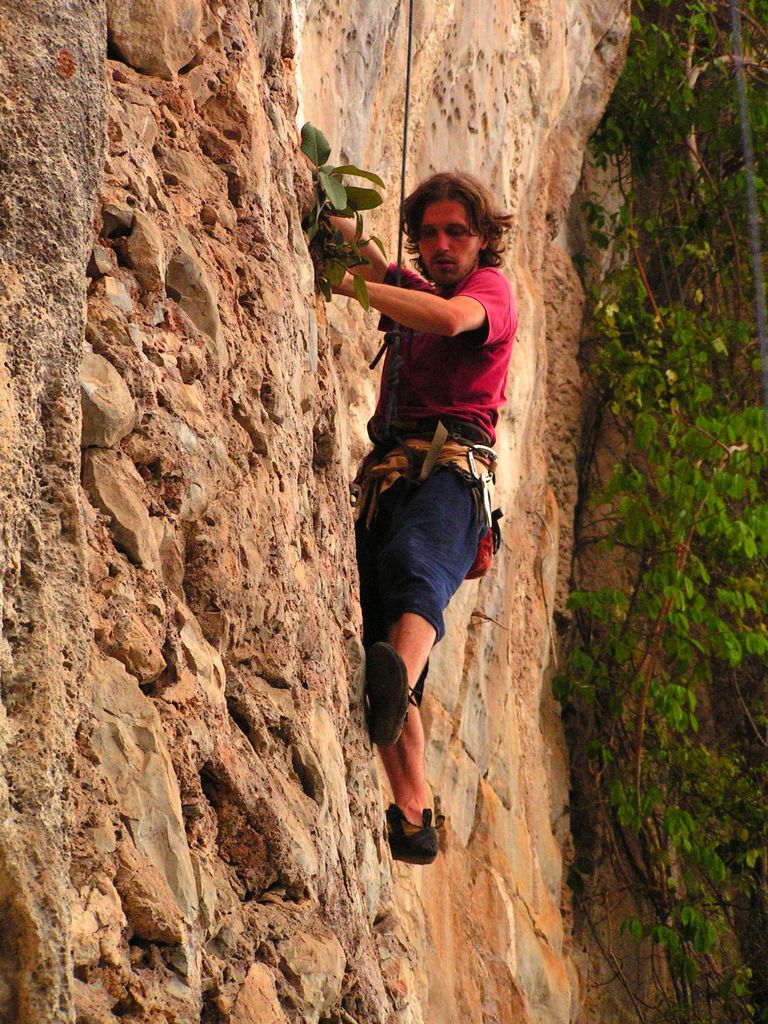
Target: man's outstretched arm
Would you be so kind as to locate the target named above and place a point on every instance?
(422, 311)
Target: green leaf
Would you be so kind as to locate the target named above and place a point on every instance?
(688, 969)
(363, 198)
(633, 926)
(704, 938)
(314, 144)
(361, 293)
(645, 429)
(378, 242)
(334, 190)
(755, 643)
(335, 271)
(357, 173)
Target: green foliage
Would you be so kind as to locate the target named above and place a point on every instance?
(673, 663)
(333, 255)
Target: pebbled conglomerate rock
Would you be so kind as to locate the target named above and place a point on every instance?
(182, 615)
(52, 130)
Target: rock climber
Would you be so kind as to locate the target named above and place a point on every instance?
(424, 503)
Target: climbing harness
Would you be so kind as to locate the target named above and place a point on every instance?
(413, 458)
(752, 208)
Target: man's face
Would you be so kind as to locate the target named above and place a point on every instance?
(447, 245)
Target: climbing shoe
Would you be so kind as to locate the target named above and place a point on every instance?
(386, 685)
(413, 844)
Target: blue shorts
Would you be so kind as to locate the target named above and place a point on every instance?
(417, 552)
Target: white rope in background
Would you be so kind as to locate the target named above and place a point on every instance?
(753, 215)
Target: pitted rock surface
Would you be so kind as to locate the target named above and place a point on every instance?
(183, 615)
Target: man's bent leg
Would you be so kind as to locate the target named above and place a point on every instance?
(404, 765)
(412, 637)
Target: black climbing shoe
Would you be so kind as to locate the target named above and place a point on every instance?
(413, 844)
(386, 685)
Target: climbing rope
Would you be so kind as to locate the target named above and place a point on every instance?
(753, 216)
(404, 156)
(392, 338)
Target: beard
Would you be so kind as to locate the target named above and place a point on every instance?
(448, 273)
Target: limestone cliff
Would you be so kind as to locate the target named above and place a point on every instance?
(191, 823)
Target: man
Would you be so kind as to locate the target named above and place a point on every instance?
(419, 525)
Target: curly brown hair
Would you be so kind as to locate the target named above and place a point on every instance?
(485, 218)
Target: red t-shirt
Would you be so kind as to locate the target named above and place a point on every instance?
(461, 378)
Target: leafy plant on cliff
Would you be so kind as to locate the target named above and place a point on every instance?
(332, 254)
(670, 663)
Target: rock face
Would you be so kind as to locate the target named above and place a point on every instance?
(196, 833)
(156, 36)
(109, 412)
(52, 100)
